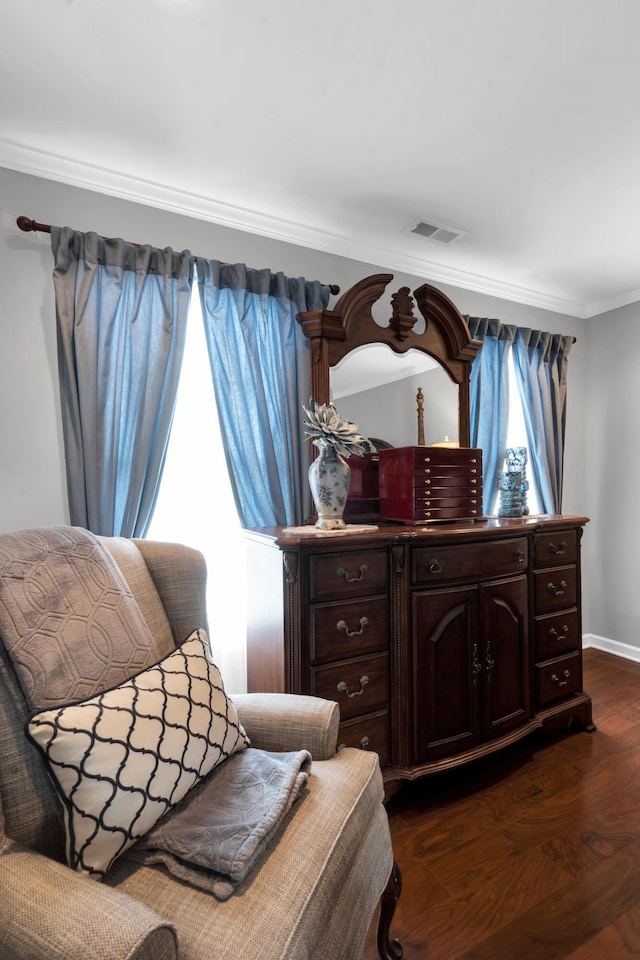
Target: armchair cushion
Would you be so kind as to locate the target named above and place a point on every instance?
(123, 758)
(67, 616)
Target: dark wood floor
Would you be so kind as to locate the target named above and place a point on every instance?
(534, 853)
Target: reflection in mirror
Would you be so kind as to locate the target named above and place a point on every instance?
(376, 388)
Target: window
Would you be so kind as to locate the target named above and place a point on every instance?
(196, 507)
(516, 437)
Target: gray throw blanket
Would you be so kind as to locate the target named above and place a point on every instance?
(215, 835)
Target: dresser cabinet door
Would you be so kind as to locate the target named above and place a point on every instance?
(446, 682)
(505, 656)
(471, 681)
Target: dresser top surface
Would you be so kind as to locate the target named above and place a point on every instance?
(489, 528)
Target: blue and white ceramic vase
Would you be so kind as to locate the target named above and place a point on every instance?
(329, 480)
(516, 459)
(509, 483)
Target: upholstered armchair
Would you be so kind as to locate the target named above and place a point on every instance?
(84, 620)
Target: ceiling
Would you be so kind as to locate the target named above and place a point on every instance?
(338, 124)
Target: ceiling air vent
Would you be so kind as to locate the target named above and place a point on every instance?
(441, 234)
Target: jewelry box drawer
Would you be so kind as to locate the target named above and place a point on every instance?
(438, 458)
(454, 498)
(555, 589)
(552, 548)
(439, 487)
(437, 512)
(448, 475)
(557, 634)
(477, 560)
(348, 574)
(349, 629)
(359, 686)
(558, 678)
(368, 733)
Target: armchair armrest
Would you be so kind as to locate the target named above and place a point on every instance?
(48, 910)
(286, 721)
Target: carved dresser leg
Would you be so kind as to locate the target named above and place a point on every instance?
(389, 950)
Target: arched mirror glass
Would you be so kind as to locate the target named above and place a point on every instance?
(377, 388)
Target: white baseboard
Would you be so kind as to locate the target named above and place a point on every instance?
(611, 646)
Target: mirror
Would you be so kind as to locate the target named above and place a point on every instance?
(439, 333)
(377, 389)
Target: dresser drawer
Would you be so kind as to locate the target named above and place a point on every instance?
(359, 686)
(368, 733)
(555, 589)
(557, 634)
(551, 549)
(476, 560)
(355, 573)
(558, 678)
(340, 631)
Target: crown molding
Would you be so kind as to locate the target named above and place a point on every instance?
(605, 306)
(88, 176)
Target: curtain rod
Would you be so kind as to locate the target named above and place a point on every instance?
(32, 226)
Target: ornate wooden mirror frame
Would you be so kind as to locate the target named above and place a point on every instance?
(350, 324)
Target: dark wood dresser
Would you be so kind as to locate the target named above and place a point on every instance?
(440, 643)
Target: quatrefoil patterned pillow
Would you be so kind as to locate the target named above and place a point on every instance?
(121, 759)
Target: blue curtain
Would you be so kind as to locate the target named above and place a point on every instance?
(489, 398)
(121, 319)
(541, 361)
(261, 369)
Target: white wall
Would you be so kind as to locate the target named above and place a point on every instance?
(32, 481)
(612, 466)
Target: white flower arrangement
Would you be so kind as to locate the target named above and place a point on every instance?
(326, 428)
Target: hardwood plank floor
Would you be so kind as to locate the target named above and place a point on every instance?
(534, 853)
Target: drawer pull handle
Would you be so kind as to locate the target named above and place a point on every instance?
(520, 556)
(342, 572)
(564, 633)
(341, 625)
(343, 688)
(551, 587)
(556, 679)
(434, 566)
(559, 549)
